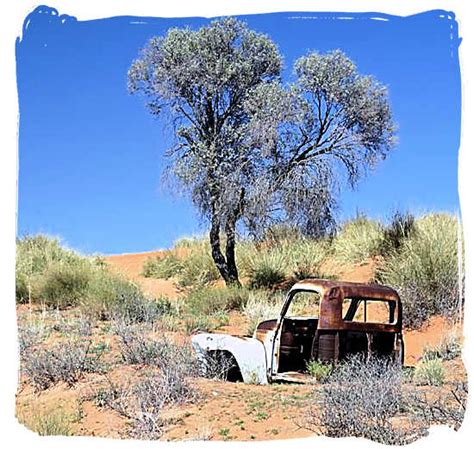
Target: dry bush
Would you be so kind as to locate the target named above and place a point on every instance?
(360, 399)
(448, 348)
(441, 408)
(66, 362)
(142, 401)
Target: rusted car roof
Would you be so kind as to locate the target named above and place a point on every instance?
(350, 289)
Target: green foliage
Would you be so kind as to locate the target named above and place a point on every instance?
(53, 276)
(267, 271)
(320, 371)
(429, 372)
(208, 301)
(54, 422)
(295, 259)
(194, 266)
(40, 255)
(358, 240)
(63, 285)
(424, 270)
(162, 267)
(198, 267)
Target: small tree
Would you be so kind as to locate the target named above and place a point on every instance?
(249, 149)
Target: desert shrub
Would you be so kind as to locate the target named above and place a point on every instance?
(58, 277)
(296, 258)
(53, 422)
(200, 323)
(198, 267)
(207, 300)
(194, 267)
(268, 270)
(305, 258)
(143, 400)
(35, 255)
(360, 399)
(358, 240)
(137, 349)
(80, 326)
(401, 227)
(113, 297)
(31, 333)
(429, 372)
(66, 362)
(424, 270)
(320, 371)
(217, 365)
(22, 287)
(448, 348)
(162, 267)
(262, 306)
(64, 285)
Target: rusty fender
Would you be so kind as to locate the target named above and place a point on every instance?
(248, 352)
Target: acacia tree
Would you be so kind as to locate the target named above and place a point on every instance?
(251, 150)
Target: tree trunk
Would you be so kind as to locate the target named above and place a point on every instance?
(226, 265)
(230, 252)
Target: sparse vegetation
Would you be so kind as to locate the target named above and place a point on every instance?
(380, 402)
(448, 348)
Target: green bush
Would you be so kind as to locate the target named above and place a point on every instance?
(401, 227)
(53, 276)
(207, 300)
(358, 240)
(267, 270)
(297, 258)
(198, 267)
(54, 422)
(162, 267)
(320, 371)
(63, 285)
(35, 255)
(424, 270)
(429, 372)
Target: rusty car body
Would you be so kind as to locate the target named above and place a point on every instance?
(331, 321)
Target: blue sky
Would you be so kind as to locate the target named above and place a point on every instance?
(90, 154)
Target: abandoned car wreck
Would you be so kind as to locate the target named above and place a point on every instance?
(320, 320)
